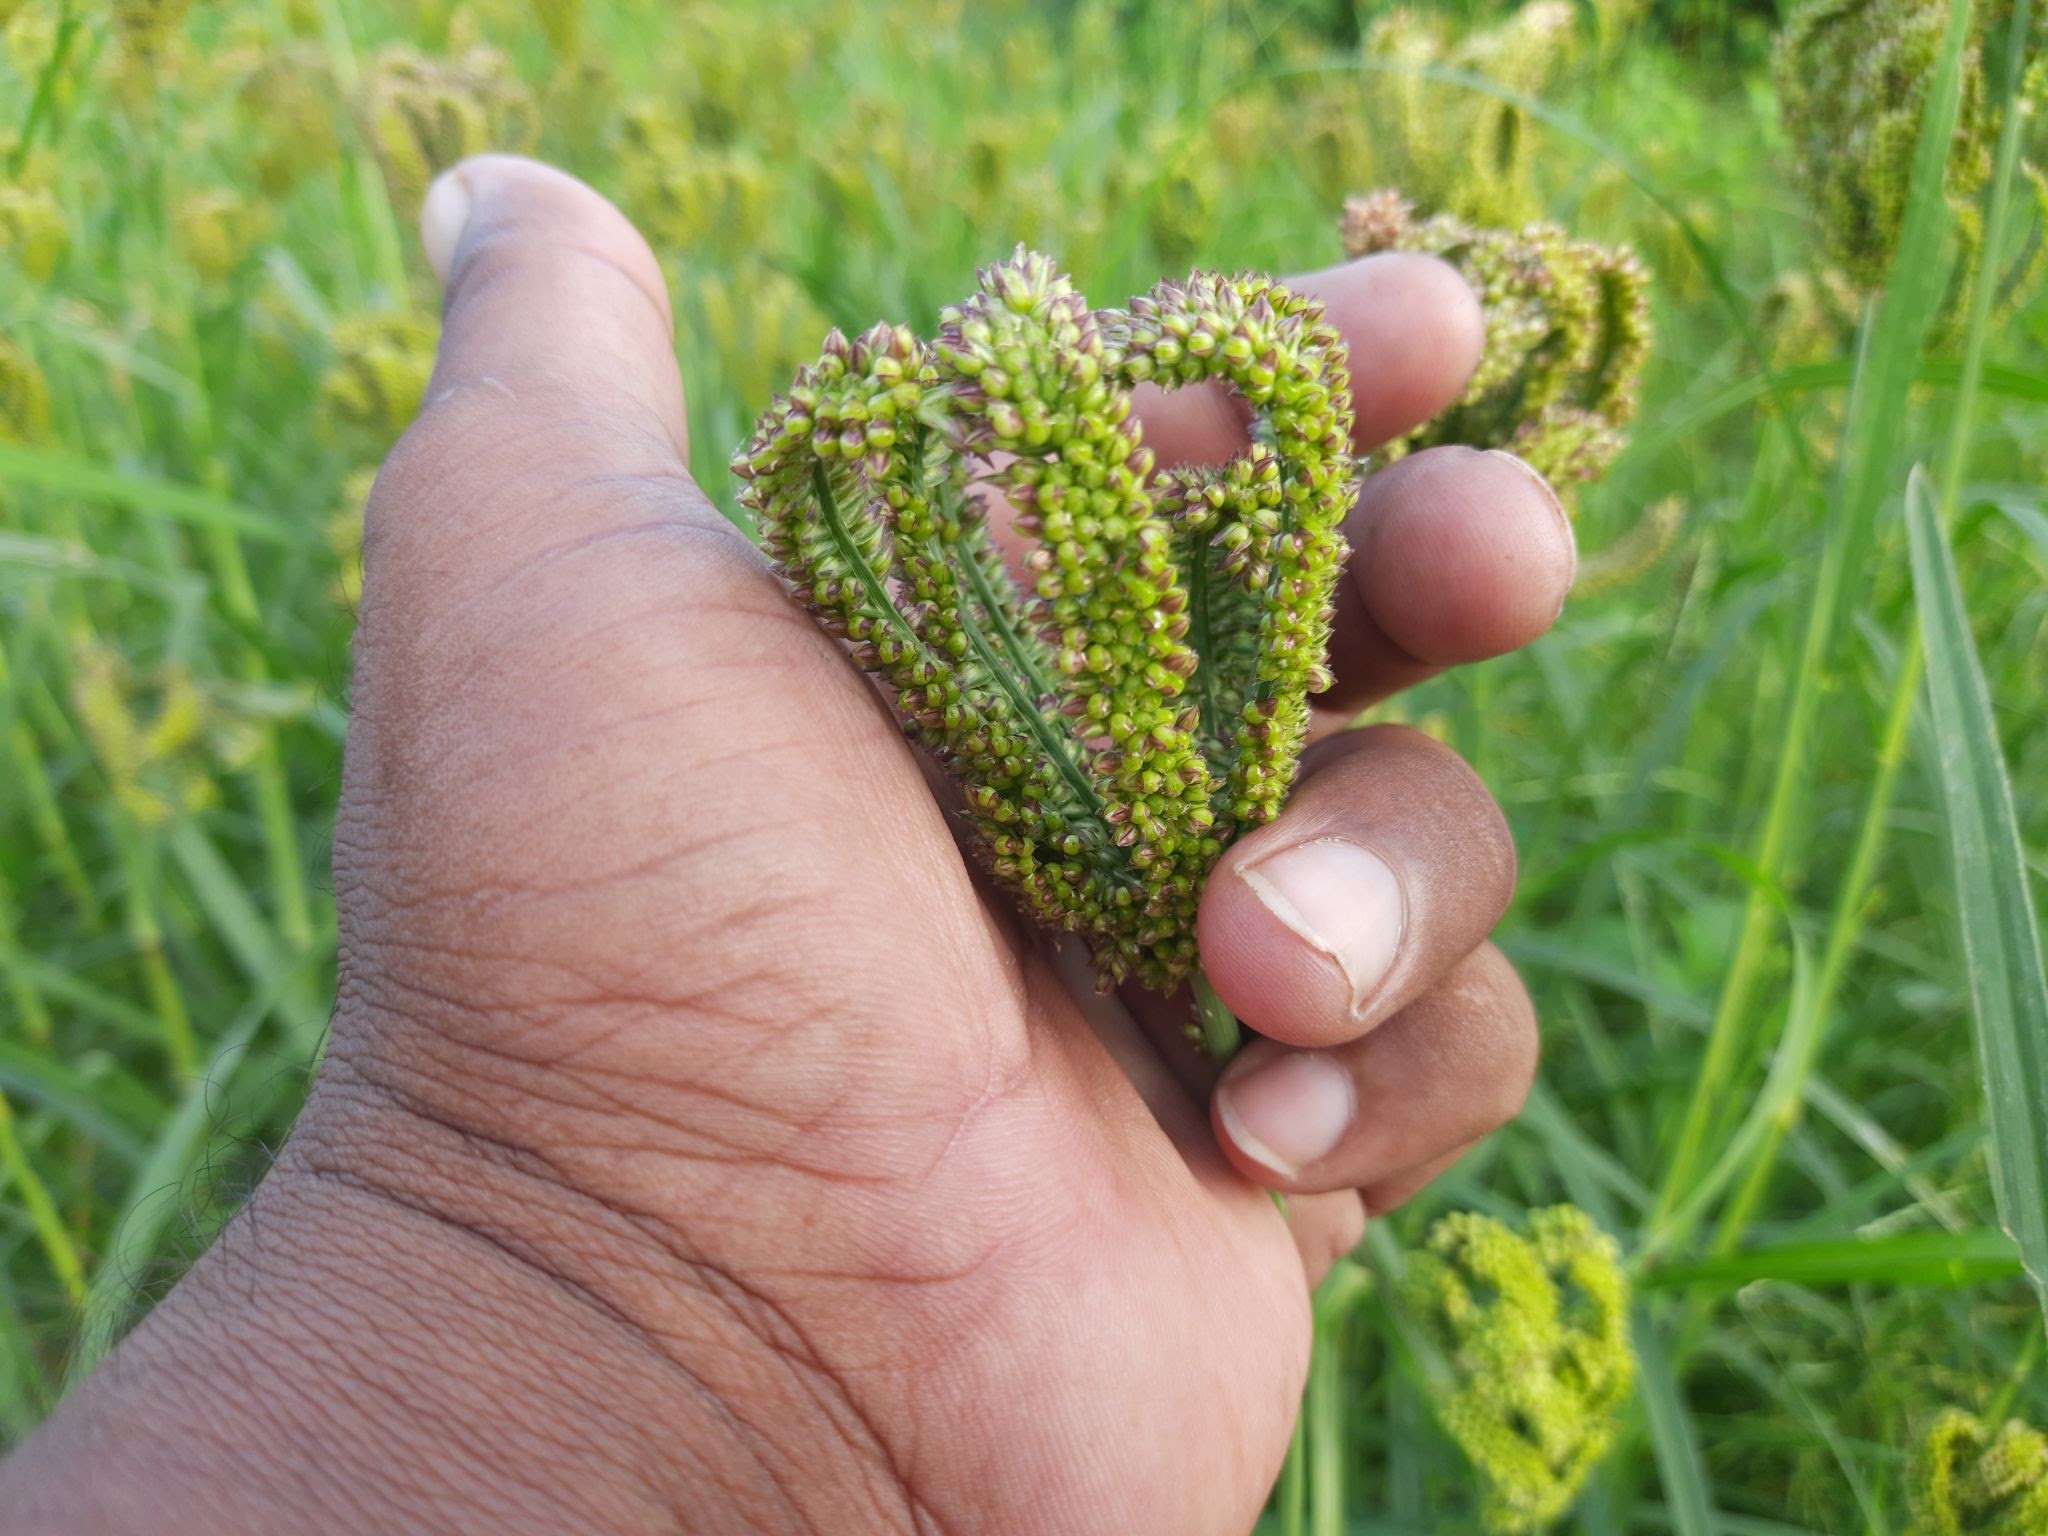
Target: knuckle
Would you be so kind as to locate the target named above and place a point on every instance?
(1515, 1042)
(1386, 771)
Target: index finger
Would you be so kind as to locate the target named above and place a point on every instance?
(1414, 330)
(1457, 555)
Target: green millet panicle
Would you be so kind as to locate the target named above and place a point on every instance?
(1970, 1481)
(24, 396)
(1852, 79)
(1467, 152)
(1141, 698)
(422, 114)
(1567, 332)
(33, 231)
(1535, 1332)
(382, 364)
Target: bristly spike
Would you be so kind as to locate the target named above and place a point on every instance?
(1112, 732)
(1567, 332)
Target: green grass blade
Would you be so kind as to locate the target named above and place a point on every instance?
(58, 1247)
(1776, 1105)
(152, 1198)
(113, 1109)
(1682, 430)
(1877, 404)
(2001, 939)
(1660, 1518)
(2029, 519)
(1673, 1438)
(1985, 285)
(1852, 902)
(141, 493)
(1924, 1258)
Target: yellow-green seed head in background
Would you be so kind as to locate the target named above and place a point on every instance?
(24, 400)
(148, 31)
(147, 733)
(216, 229)
(1535, 1331)
(688, 195)
(1459, 149)
(378, 379)
(288, 106)
(1567, 332)
(423, 114)
(1143, 697)
(1852, 79)
(33, 231)
(1632, 556)
(757, 322)
(24, 396)
(345, 535)
(1970, 1481)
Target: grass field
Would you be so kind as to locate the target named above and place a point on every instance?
(1758, 817)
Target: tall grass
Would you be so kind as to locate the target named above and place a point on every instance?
(1740, 915)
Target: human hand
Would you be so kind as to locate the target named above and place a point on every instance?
(700, 1145)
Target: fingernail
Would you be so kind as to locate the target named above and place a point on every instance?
(1550, 499)
(1344, 900)
(1288, 1113)
(442, 216)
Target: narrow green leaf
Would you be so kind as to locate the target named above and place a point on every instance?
(2001, 939)
(2026, 516)
(111, 1107)
(225, 900)
(156, 498)
(1662, 1519)
(1672, 1437)
(1878, 402)
(154, 1196)
(1930, 1257)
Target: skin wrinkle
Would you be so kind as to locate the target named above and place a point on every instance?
(788, 1016)
(488, 257)
(233, 1376)
(470, 876)
(712, 1282)
(1005, 1080)
(288, 1406)
(488, 897)
(842, 1395)
(363, 903)
(578, 1397)
(696, 557)
(828, 1124)
(541, 972)
(806, 1134)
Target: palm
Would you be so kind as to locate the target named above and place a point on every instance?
(741, 931)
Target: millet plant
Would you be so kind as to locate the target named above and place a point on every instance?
(1532, 1334)
(1970, 1480)
(1567, 331)
(1143, 699)
(1852, 79)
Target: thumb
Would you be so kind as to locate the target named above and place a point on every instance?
(549, 285)
(554, 419)
(609, 796)
(574, 680)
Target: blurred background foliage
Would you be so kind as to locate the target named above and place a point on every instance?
(214, 321)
